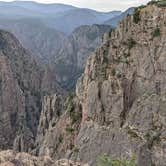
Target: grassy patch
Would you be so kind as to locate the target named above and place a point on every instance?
(105, 160)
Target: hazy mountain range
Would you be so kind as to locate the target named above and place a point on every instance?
(59, 16)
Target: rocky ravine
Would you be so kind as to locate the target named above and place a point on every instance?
(121, 97)
(69, 62)
(66, 55)
(23, 82)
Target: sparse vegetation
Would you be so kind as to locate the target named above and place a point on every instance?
(75, 115)
(147, 136)
(105, 160)
(136, 15)
(156, 32)
(61, 138)
(113, 71)
(159, 3)
(69, 129)
(131, 43)
(69, 105)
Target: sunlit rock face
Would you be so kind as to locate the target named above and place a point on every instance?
(122, 92)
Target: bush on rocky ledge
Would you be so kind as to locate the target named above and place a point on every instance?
(105, 160)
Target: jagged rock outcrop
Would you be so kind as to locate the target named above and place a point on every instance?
(122, 92)
(57, 130)
(22, 85)
(119, 107)
(11, 158)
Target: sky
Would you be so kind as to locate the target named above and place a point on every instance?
(100, 5)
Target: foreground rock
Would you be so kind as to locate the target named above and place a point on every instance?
(11, 158)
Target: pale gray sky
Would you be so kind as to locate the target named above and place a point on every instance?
(101, 5)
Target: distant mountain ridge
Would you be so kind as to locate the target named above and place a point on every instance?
(115, 20)
(56, 16)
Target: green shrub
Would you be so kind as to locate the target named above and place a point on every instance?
(152, 2)
(61, 139)
(70, 106)
(136, 16)
(105, 160)
(156, 32)
(113, 71)
(159, 3)
(148, 136)
(131, 43)
(69, 129)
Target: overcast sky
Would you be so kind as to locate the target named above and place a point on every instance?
(101, 5)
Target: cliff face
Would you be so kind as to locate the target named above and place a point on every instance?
(119, 107)
(57, 130)
(22, 84)
(122, 92)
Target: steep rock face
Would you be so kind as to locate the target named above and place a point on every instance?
(11, 158)
(122, 92)
(57, 130)
(21, 80)
(51, 111)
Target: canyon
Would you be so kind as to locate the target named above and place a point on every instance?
(116, 109)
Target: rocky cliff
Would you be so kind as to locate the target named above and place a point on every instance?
(118, 108)
(22, 84)
(122, 92)
(57, 130)
(121, 96)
